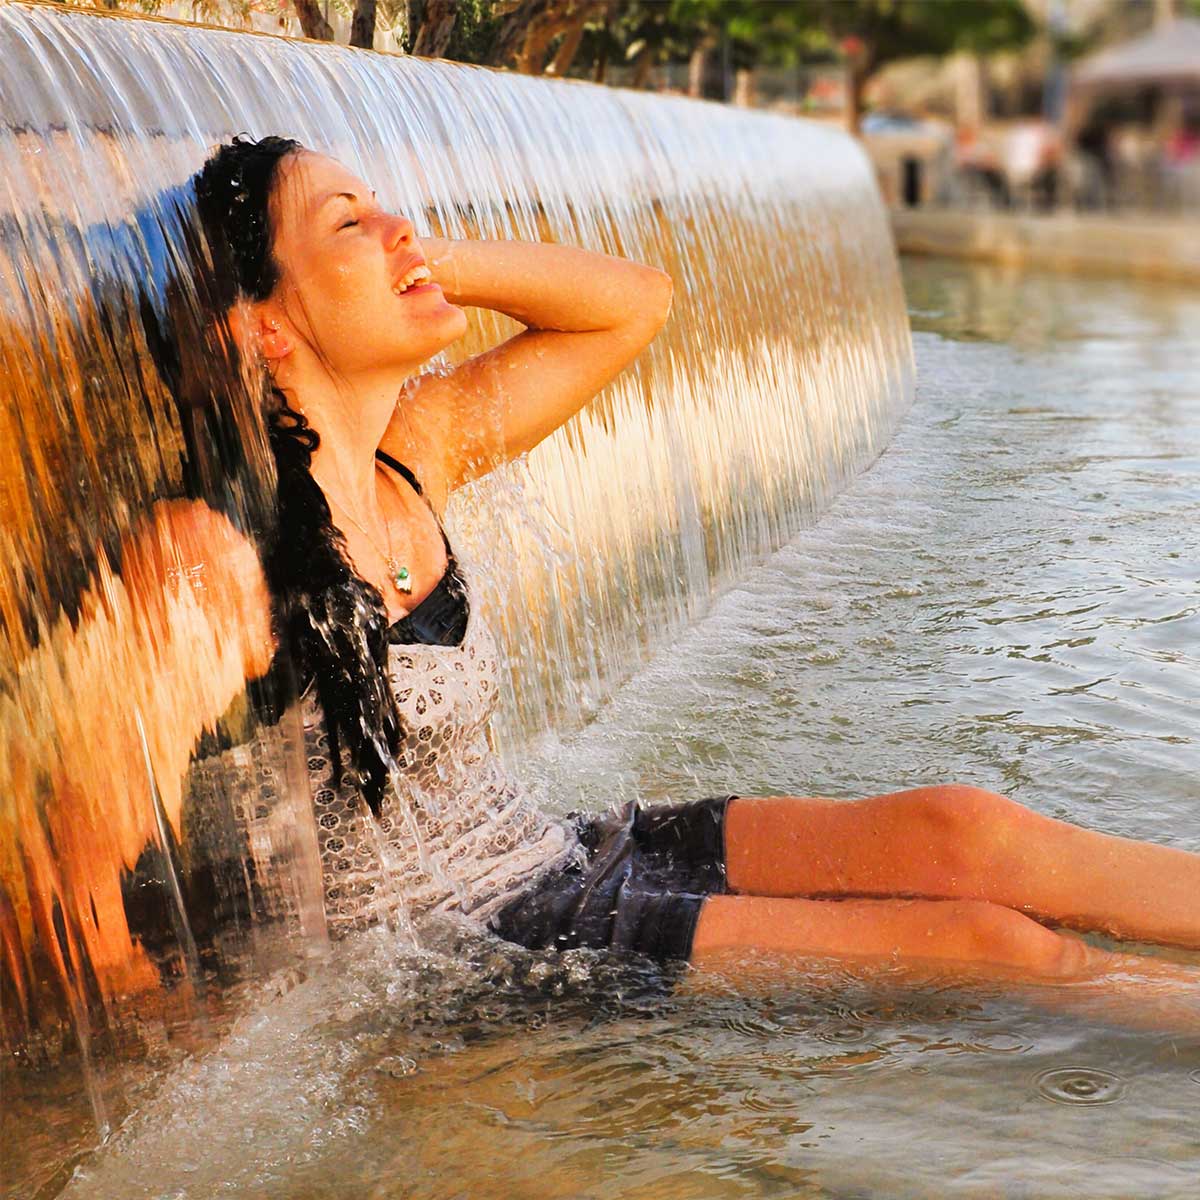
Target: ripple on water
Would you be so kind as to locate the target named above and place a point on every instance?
(1195, 1075)
(840, 1033)
(1080, 1085)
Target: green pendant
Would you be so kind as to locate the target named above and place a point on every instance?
(403, 582)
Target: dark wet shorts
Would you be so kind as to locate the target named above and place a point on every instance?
(640, 890)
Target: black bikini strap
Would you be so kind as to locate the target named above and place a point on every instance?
(397, 465)
(384, 457)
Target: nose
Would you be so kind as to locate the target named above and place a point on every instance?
(400, 232)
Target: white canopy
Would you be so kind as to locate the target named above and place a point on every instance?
(1168, 54)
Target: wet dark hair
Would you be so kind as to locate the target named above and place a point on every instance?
(331, 623)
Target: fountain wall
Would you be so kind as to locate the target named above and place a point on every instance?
(137, 870)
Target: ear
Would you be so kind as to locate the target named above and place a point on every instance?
(258, 328)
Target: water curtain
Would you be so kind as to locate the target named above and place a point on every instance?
(134, 861)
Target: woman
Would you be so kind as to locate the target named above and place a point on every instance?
(342, 305)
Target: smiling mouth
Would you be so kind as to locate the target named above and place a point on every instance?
(416, 279)
(418, 289)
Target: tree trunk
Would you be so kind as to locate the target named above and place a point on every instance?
(571, 39)
(642, 66)
(1165, 11)
(970, 93)
(601, 64)
(312, 20)
(856, 85)
(513, 34)
(528, 28)
(744, 89)
(610, 15)
(437, 28)
(698, 65)
(531, 59)
(362, 29)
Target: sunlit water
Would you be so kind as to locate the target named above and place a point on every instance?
(1008, 598)
(135, 854)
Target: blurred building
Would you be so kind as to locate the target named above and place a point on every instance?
(1100, 111)
(1133, 120)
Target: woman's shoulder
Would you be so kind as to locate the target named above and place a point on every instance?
(420, 457)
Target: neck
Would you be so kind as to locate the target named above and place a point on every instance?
(351, 419)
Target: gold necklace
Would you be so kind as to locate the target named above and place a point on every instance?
(398, 575)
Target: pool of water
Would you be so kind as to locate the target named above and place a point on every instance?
(1008, 598)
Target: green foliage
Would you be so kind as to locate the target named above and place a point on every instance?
(637, 28)
(476, 24)
(884, 31)
(768, 32)
(669, 30)
(783, 32)
(756, 31)
(474, 31)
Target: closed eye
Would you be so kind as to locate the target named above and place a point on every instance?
(348, 224)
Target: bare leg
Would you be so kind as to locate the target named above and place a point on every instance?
(968, 941)
(969, 933)
(957, 842)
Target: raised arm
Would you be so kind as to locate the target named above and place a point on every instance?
(588, 316)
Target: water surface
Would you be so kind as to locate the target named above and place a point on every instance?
(1008, 598)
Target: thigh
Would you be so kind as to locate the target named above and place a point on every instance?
(899, 932)
(932, 842)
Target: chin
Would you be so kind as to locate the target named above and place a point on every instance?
(432, 347)
(456, 325)
(440, 331)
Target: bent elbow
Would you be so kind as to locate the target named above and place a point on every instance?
(656, 294)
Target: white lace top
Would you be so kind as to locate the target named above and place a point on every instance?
(459, 834)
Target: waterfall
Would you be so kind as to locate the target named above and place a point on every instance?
(135, 871)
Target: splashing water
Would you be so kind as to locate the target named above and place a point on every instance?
(130, 865)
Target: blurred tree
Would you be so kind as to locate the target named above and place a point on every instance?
(757, 34)
(647, 33)
(529, 28)
(312, 20)
(554, 36)
(475, 27)
(637, 33)
(865, 34)
(549, 36)
(435, 29)
(869, 34)
(362, 25)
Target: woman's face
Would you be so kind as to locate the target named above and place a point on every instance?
(342, 261)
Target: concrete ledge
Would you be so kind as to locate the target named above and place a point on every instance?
(1154, 248)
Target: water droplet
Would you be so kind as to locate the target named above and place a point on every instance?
(1080, 1085)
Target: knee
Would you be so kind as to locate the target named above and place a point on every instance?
(968, 815)
(1000, 936)
(967, 831)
